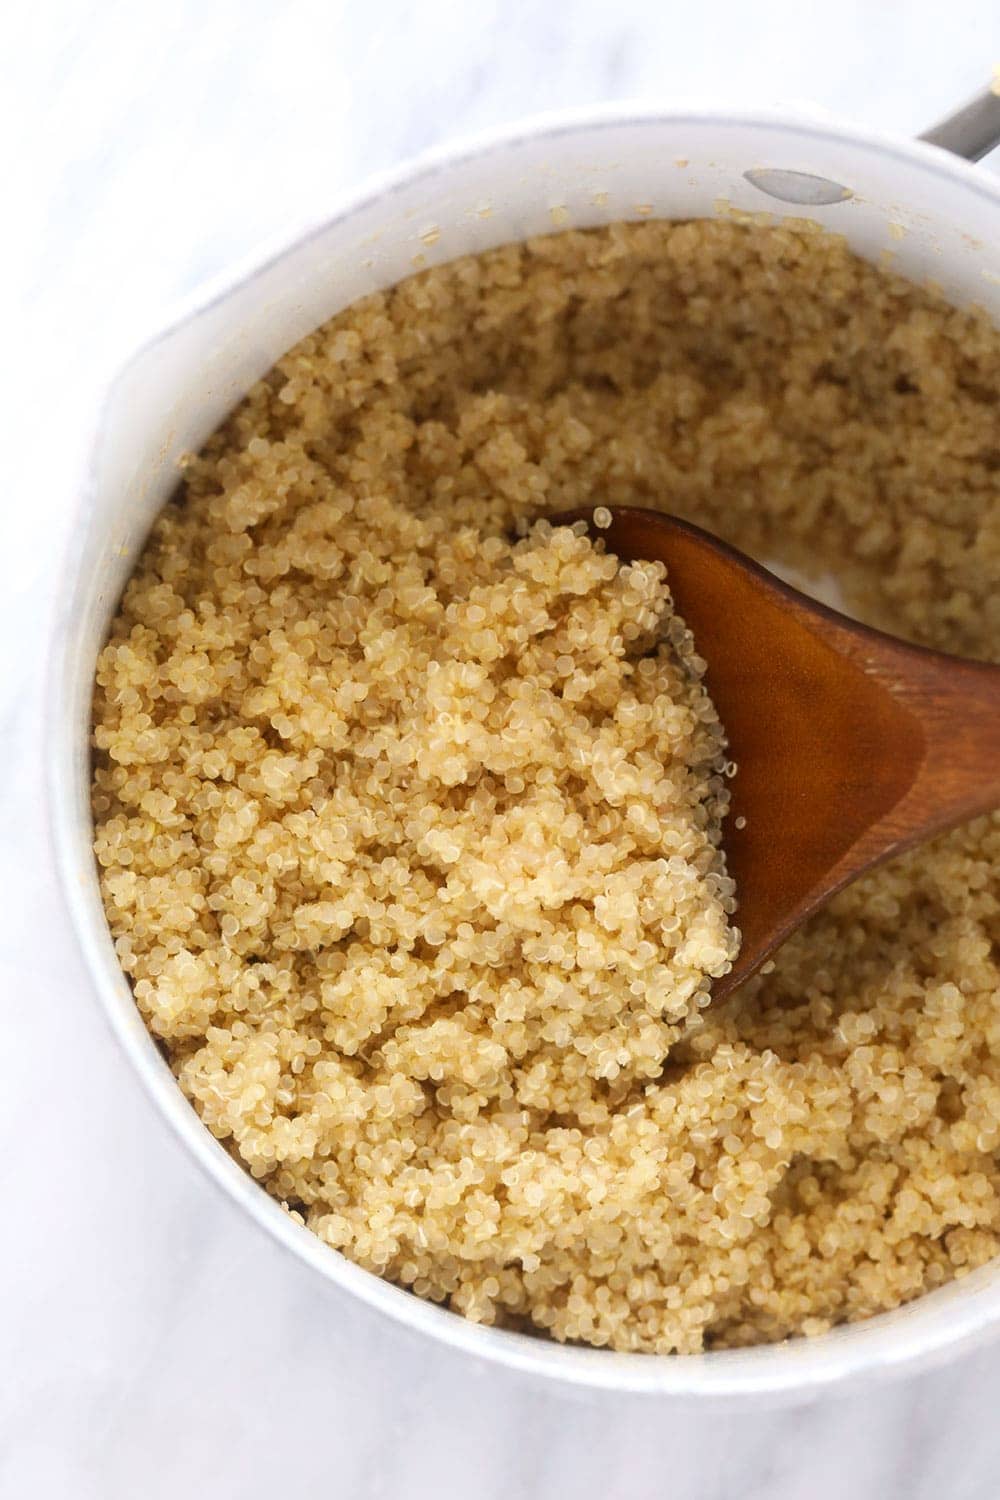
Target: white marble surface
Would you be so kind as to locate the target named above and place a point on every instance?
(149, 1343)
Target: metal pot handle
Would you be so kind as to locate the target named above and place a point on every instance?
(973, 130)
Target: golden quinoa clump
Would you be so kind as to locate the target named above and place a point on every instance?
(408, 832)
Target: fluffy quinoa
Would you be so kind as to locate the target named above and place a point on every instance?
(408, 833)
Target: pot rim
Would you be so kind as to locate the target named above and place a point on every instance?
(927, 1330)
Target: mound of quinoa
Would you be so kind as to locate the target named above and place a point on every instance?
(408, 834)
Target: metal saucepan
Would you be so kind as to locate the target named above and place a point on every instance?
(938, 216)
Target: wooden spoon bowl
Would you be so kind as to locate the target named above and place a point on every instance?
(850, 745)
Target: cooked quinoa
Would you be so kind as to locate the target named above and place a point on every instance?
(408, 832)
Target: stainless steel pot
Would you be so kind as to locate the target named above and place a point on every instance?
(936, 215)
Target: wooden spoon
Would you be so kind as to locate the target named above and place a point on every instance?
(850, 745)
